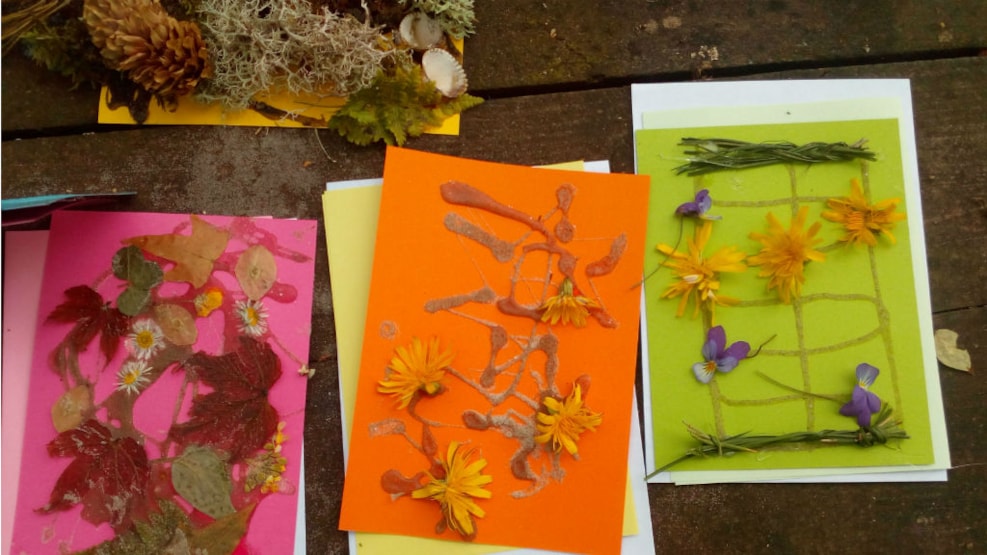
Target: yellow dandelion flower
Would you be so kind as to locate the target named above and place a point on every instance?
(698, 275)
(455, 492)
(565, 421)
(417, 367)
(784, 254)
(566, 306)
(208, 301)
(863, 221)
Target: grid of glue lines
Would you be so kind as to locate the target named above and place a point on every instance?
(802, 353)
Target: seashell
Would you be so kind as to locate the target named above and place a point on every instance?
(419, 31)
(445, 71)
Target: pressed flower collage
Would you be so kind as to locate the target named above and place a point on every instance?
(498, 356)
(780, 300)
(165, 411)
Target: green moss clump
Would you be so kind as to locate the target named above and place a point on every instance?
(62, 45)
(396, 106)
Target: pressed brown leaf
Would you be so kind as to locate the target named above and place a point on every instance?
(475, 421)
(193, 254)
(236, 417)
(200, 475)
(177, 324)
(949, 354)
(429, 446)
(256, 270)
(72, 408)
(109, 475)
(223, 535)
(92, 316)
(386, 427)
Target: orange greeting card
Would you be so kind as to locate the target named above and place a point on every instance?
(499, 356)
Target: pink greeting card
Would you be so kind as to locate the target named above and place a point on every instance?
(165, 410)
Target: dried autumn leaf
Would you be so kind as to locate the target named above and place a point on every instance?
(949, 354)
(130, 265)
(159, 535)
(72, 408)
(236, 416)
(386, 427)
(200, 475)
(176, 323)
(92, 316)
(193, 254)
(256, 270)
(109, 475)
(223, 535)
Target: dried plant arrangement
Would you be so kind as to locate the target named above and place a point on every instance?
(236, 53)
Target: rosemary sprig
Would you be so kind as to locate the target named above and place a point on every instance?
(710, 155)
(888, 427)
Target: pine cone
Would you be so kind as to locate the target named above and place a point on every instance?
(165, 56)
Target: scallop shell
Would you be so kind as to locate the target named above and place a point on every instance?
(445, 71)
(419, 31)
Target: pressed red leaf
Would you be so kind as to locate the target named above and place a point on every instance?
(92, 316)
(394, 482)
(236, 416)
(109, 475)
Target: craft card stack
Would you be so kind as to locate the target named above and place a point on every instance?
(789, 298)
(467, 257)
(164, 391)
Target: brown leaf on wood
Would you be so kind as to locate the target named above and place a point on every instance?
(193, 254)
(256, 270)
(949, 354)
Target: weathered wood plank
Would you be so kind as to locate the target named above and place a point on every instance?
(559, 44)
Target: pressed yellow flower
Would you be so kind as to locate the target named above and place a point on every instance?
(699, 275)
(863, 221)
(455, 491)
(565, 421)
(416, 367)
(784, 254)
(566, 306)
(266, 468)
(208, 301)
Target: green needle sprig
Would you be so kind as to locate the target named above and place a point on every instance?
(888, 428)
(710, 155)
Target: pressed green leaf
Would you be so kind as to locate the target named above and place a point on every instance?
(202, 477)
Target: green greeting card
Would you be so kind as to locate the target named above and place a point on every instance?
(811, 265)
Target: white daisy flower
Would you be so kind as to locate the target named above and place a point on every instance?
(145, 339)
(253, 317)
(133, 376)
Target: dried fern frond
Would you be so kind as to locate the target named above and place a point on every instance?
(260, 45)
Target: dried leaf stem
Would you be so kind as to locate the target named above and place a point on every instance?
(888, 428)
(710, 155)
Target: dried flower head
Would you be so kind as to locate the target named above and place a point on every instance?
(718, 357)
(785, 252)
(145, 339)
(456, 490)
(208, 301)
(562, 422)
(863, 221)
(416, 368)
(698, 207)
(133, 377)
(253, 317)
(698, 276)
(566, 306)
(863, 402)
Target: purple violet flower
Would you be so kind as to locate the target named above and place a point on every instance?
(863, 403)
(719, 357)
(699, 207)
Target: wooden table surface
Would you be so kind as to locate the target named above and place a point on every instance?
(556, 78)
